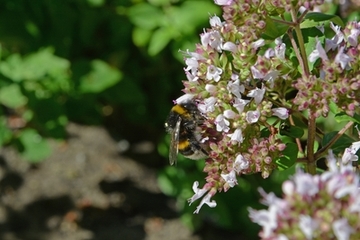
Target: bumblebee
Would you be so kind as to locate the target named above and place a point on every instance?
(183, 124)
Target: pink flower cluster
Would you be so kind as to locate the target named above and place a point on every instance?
(338, 80)
(325, 206)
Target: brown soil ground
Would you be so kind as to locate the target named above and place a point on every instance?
(88, 191)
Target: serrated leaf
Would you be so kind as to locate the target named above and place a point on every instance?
(35, 147)
(343, 142)
(101, 77)
(12, 97)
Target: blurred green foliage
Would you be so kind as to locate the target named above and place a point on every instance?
(90, 60)
(114, 61)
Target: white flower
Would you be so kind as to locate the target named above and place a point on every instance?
(258, 43)
(280, 112)
(355, 205)
(280, 51)
(208, 105)
(271, 76)
(353, 37)
(230, 178)
(252, 116)
(184, 98)
(257, 94)
(342, 58)
(205, 200)
(237, 136)
(288, 188)
(229, 46)
(318, 52)
(307, 225)
(223, 2)
(215, 21)
(269, 53)
(192, 65)
(222, 124)
(240, 163)
(213, 39)
(229, 114)
(235, 88)
(341, 229)
(350, 153)
(199, 192)
(190, 77)
(266, 219)
(306, 184)
(213, 73)
(210, 88)
(336, 40)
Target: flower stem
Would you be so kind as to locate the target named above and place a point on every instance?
(311, 164)
(302, 58)
(323, 151)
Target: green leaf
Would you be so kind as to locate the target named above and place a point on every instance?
(274, 29)
(96, 3)
(343, 117)
(36, 67)
(5, 132)
(101, 77)
(291, 131)
(141, 36)
(35, 148)
(289, 157)
(160, 38)
(12, 97)
(321, 17)
(145, 16)
(343, 142)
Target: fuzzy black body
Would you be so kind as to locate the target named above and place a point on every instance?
(183, 125)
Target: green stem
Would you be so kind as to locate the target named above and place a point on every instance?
(323, 151)
(311, 165)
(303, 57)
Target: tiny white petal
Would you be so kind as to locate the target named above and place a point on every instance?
(184, 98)
(257, 94)
(240, 163)
(229, 114)
(230, 178)
(237, 136)
(252, 116)
(210, 88)
(280, 112)
(230, 46)
(342, 229)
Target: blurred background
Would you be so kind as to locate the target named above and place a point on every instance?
(85, 87)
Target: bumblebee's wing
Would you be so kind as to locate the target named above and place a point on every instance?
(174, 144)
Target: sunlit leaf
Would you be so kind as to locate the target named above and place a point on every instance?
(101, 77)
(35, 148)
(12, 97)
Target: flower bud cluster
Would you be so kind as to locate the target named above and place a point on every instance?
(234, 88)
(325, 206)
(338, 80)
